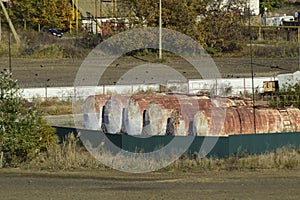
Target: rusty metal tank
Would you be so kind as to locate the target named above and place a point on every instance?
(113, 114)
(240, 120)
(93, 111)
(175, 114)
(158, 113)
(137, 121)
(133, 114)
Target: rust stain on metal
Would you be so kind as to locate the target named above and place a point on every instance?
(113, 113)
(93, 111)
(176, 114)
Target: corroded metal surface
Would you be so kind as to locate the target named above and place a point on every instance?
(113, 114)
(294, 118)
(133, 118)
(147, 114)
(175, 114)
(240, 120)
(93, 111)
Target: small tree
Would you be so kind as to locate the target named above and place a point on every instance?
(23, 132)
(292, 92)
(288, 95)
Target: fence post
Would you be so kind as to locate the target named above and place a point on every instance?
(245, 90)
(46, 93)
(298, 34)
(288, 35)
(1, 159)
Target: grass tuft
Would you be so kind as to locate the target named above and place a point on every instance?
(72, 155)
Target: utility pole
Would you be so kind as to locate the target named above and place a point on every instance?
(0, 27)
(101, 10)
(96, 8)
(252, 71)
(76, 16)
(114, 6)
(12, 28)
(160, 31)
(299, 58)
(72, 16)
(9, 52)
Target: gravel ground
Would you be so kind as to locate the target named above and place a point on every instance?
(62, 72)
(109, 184)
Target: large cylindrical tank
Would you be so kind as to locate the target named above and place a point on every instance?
(137, 121)
(240, 120)
(133, 117)
(291, 116)
(93, 111)
(171, 114)
(154, 120)
(113, 114)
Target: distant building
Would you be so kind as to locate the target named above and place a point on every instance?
(97, 8)
(253, 5)
(105, 13)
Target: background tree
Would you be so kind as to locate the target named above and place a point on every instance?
(271, 4)
(222, 27)
(64, 14)
(46, 13)
(23, 132)
(217, 26)
(288, 95)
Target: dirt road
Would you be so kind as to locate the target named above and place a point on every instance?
(109, 184)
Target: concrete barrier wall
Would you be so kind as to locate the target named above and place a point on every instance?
(238, 86)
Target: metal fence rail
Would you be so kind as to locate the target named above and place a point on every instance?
(250, 144)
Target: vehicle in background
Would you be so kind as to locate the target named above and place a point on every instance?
(55, 32)
(270, 87)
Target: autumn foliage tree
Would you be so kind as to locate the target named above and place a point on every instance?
(271, 4)
(44, 13)
(217, 26)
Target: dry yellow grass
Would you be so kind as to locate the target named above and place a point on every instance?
(72, 155)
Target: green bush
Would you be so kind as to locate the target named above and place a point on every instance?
(289, 95)
(23, 132)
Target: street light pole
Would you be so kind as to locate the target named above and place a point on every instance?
(160, 31)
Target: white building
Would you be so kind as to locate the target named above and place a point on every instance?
(253, 4)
